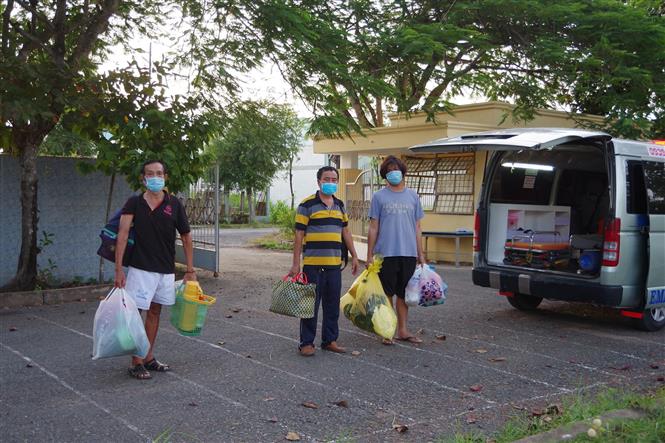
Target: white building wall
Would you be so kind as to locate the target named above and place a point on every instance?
(304, 176)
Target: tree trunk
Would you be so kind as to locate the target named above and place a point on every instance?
(26, 272)
(250, 204)
(293, 195)
(109, 199)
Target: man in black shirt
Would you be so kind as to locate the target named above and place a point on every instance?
(150, 277)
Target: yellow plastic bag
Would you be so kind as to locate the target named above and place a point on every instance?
(367, 306)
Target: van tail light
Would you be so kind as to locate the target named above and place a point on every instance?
(476, 233)
(632, 314)
(611, 243)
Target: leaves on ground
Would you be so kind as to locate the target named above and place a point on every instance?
(621, 368)
(269, 399)
(12, 328)
(441, 337)
(480, 351)
(400, 428)
(272, 419)
(342, 404)
(476, 388)
(292, 436)
(310, 405)
(496, 359)
(420, 331)
(471, 419)
(221, 343)
(355, 353)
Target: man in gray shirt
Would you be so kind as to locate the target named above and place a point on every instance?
(395, 233)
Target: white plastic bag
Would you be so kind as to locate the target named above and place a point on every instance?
(412, 292)
(118, 328)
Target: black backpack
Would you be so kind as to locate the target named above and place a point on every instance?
(109, 236)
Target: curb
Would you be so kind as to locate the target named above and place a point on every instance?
(13, 300)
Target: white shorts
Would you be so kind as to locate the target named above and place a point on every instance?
(150, 287)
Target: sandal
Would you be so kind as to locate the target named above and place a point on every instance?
(387, 342)
(410, 339)
(139, 372)
(154, 365)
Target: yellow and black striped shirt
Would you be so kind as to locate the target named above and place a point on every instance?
(323, 231)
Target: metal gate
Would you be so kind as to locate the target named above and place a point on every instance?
(203, 210)
(358, 198)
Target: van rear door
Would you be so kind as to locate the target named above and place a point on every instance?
(508, 140)
(654, 175)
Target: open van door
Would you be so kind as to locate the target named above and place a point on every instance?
(654, 313)
(508, 140)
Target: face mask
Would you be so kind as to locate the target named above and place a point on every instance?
(394, 177)
(328, 188)
(154, 184)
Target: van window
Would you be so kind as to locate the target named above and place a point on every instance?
(521, 185)
(636, 193)
(654, 173)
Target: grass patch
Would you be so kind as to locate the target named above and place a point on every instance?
(279, 241)
(585, 408)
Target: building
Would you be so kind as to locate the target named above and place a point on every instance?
(448, 184)
(304, 175)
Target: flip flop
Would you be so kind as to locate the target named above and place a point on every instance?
(410, 339)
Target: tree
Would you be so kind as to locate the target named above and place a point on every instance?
(261, 139)
(48, 72)
(353, 60)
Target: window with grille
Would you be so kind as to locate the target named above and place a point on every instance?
(445, 184)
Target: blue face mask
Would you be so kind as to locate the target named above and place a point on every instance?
(328, 188)
(154, 184)
(394, 177)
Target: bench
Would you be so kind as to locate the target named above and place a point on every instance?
(447, 234)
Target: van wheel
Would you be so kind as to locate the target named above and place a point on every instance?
(524, 302)
(652, 320)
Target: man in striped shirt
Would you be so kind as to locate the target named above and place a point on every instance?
(321, 227)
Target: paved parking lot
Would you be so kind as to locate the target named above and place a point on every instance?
(242, 379)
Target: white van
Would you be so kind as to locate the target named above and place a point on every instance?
(567, 214)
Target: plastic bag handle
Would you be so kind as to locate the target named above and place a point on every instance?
(300, 277)
(110, 293)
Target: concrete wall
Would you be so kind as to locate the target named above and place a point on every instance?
(72, 207)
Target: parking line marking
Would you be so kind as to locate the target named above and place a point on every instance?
(80, 394)
(635, 357)
(193, 383)
(299, 377)
(385, 368)
(469, 362)
(581, 365)
(484, 408)
(423, 350)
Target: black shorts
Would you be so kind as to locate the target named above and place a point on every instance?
(395, 274)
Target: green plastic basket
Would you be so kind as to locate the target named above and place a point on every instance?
(188, 315)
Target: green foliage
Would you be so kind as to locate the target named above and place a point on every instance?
(257, 143)
(352, 60)
(283, 216)
(131, 120)
(585, 408)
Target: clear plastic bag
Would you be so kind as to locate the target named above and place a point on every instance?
(118, 328)
(367, 306)
(412, 292)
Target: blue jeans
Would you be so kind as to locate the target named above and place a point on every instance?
(328, 288)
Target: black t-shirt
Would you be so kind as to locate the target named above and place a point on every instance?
(154, 248)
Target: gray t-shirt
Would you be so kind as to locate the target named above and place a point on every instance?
(397, 213)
